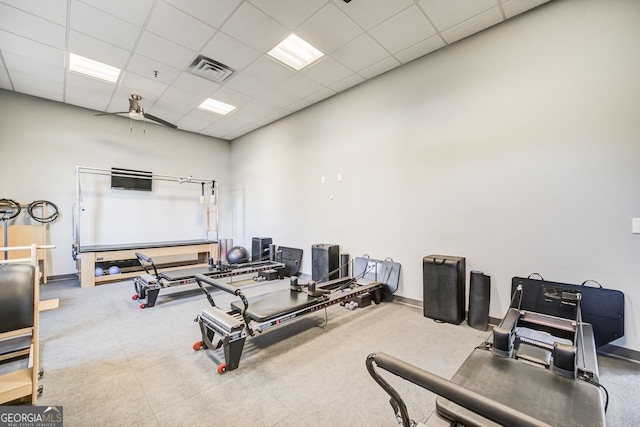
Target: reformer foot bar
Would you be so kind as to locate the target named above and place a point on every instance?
(228, 329)
(148, 285)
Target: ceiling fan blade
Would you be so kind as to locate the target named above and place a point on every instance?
(159, 120)
(110, 114)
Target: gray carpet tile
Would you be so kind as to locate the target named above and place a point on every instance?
(107, 362)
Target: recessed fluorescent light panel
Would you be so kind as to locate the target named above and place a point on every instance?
(217, 107)
(295, 52)
(89, 67)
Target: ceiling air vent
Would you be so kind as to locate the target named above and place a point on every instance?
(210, 69)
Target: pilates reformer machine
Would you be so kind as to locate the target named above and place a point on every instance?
(537, 368)
(372, 281)
(283, 262)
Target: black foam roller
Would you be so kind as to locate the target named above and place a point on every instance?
(479, 299)
(344, 265)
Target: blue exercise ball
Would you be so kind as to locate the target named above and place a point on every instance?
(99, 271)
(114, 269)
(237, 255)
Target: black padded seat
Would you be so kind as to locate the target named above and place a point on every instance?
(16, 297)
(266, 307)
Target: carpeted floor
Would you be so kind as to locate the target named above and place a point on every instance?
(109, 363)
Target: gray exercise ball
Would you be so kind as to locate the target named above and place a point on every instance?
(237, 255)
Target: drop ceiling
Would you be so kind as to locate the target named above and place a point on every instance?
(154, 42)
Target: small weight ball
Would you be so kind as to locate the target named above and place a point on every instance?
(99, 271)
(237, 255)
(114, 269)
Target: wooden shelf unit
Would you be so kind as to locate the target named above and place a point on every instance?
(90, 256)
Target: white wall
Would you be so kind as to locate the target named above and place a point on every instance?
(43, 141)
(516, 148)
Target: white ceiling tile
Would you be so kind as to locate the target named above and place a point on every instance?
(415, 28)
(183, 100)
(32, 67)
(290, 13)
(167, 35)
(192, 124)
(23, 46)
(4, 79)
(87, 96)
(230, 51)
(420, 49)
(246, 115)
(97, 50)
(202, 115)
(168, 110)
(165, 51)
(379, 68)
(300, 85)
(212, 12)
(100, 25)
(236, 134)
(89, 85)
(361, 53)
(52, 10)
(346, 83)
(172, 24)
(318, 96)
(327, 71)
(143, 86)
(445, 13)
(300, 104)
(279, 98)
(143, 66)
(26, 25)
(135, 12)
(473, 25)
(230, 96)
(46, 93)
(249, 21)
(195, 84)
(269, 70)
(329, 29)
(260, 107)
(279, 114)
(223, 126)
(516, 7)
(25, 83)
(370, 13)
(248, 85)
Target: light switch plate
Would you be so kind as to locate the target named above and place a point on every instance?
(635, 225)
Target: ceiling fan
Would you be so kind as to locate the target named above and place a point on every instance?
(136, 112)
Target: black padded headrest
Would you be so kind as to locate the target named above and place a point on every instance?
(16, 296)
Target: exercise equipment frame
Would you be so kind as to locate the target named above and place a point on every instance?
(212, 184)
(148, 285)
(280, 307)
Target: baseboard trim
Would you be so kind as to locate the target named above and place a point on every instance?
(62, 277)
(406, 301)
(621, 352)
